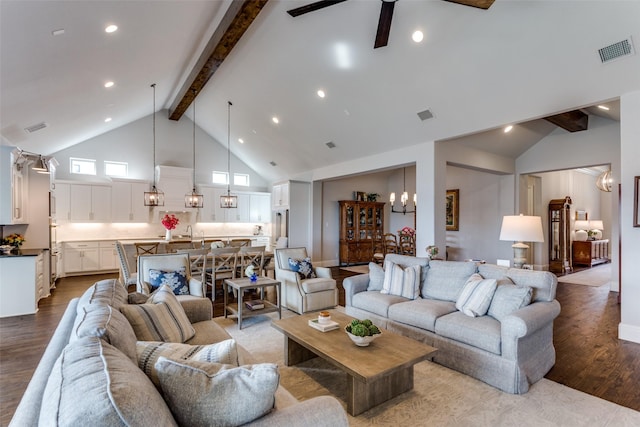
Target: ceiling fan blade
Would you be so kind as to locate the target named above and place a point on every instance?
(384, 24)
(311, 7)
(480, 4)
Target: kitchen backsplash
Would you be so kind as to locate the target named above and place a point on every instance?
(96, 231)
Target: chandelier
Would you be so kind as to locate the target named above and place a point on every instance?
(404, 198)
(227, 200)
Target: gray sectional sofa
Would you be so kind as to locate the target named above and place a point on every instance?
(90, 374)
(510, 347)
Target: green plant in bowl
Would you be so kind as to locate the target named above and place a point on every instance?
(362, 332)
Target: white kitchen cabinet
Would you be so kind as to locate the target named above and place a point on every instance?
(127, 201)
(81, 257)
(108, 256)
(280, 196)
(211, 210)
(241, 213)
(83, 202)
(21, 280)
(42, 277)
(260, 207)
(14, 187)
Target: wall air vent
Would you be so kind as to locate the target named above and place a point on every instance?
(36, 127)
(425, 115)
(330, 144)
(616, 50)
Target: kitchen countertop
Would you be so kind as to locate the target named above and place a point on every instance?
(128, 240)
(23, 252)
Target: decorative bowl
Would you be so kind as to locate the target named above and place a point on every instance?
(6, 249)
(362, 341)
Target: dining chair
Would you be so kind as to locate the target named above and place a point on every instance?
(198, 258)
(127, 278)
(406, 245)
(390, 243)
(269, 258)
(252, 255)
(222, 266)
(146, 248)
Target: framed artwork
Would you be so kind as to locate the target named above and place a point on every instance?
(453, 210)
(582, 215)
(360, 196)
(636, 201)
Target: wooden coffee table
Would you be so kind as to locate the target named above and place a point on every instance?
(375, 374)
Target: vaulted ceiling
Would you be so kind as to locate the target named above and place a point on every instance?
(476, 70)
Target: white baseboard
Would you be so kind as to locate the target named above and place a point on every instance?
(629, 332)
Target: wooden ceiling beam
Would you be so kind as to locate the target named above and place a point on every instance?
(480, 4)
(233, 25)
(573, 121)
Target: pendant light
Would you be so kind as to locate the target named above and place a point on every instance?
(228, 201)
(193, 199)
(154, 197)
(404, 198)
(604, 181)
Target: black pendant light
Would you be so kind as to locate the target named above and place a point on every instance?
(154, 197)
(227, 200)
(193, 199)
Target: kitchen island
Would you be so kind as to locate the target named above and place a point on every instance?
(24, 280)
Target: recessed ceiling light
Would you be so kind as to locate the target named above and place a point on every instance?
(275, 120)
(321, 93)
(241, 141)
(508, 129)
(603, 107)
(109, 84)
(107, 120)
(417, 36)
(58, 32)
(111, 28)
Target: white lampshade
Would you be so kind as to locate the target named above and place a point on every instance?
(581, 224)
(522, 228)
(596, 224)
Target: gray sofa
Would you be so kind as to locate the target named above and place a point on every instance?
(509, 354)
(118, 392)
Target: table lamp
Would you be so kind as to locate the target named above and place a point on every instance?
(581, 227)
(595, 228)
(521, 228)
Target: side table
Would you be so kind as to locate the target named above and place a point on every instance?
(240, 285)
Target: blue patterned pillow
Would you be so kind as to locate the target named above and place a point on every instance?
(176, 280)
(303, 267)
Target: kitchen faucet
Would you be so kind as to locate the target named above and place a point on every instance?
(190, 231)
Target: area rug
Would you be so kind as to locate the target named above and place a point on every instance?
(362, 269)
(440, 397)
(594, 276)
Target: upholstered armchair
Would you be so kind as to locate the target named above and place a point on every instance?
(167, 263)
(304, 294)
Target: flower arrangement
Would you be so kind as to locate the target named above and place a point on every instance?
(15, 240)
(407, 231)
(250, 273)
(432, 251)
(170, 221)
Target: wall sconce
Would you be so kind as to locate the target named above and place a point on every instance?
(604, 181)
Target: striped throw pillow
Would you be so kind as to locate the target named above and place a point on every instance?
(476, 295)
(162, 318)
(149, 352)
(401, 281)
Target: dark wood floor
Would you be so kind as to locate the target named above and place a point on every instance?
(589, 356)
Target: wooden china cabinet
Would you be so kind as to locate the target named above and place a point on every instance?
(360, 224)
(560, 235)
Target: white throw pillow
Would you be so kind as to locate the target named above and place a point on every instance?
(509, 298)
(476, 295)
(211, 394)
(401, 281)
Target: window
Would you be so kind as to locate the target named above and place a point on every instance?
(83, 166)
(220, 177)
(115, 168)
(241, 179)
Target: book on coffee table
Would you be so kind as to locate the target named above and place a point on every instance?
(256, 304)
(324, 327)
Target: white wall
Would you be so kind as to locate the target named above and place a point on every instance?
(133, 143)
(484, 199)
(629, 328)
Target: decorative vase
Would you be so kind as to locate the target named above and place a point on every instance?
(253, 278)
(167, 235)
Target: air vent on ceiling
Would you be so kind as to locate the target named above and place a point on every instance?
(36, 127)
(616, 50)
(330, 144)
(272, 163)
(425, 115)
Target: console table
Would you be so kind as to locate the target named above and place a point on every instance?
(590, 252)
